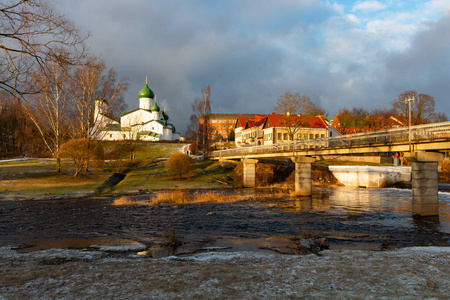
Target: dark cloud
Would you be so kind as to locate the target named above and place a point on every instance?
(424, 66)
(251, 52)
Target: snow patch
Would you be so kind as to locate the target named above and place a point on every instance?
(120, 248)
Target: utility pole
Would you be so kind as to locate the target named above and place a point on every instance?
(409, 112)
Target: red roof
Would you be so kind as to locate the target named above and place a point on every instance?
(248, 122)
(274, 120)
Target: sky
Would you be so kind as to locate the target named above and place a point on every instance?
(339, 53)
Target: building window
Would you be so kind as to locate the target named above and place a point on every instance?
(322, 135)
(299, 136)
(285, 136)
(305, 136)
(110, 135)
(279, 136)
(331, 133)
(311, 136)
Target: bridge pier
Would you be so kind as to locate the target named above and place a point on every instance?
(303, 182)
(249, 166)
(424, 177)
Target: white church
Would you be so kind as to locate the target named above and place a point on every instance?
(146, 123)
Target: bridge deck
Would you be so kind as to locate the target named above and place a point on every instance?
(429, 137)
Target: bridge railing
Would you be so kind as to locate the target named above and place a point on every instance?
(388, 136)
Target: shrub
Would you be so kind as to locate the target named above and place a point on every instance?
(81, 151)
(179, 164)
(171, 238)
(172, 197)
(193, 147)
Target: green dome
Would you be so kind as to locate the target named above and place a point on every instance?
(146, 92)
(155, 107)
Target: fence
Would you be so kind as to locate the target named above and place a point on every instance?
(419, 133)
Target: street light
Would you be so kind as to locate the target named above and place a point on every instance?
(409, 111)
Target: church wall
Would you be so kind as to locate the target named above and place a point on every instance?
(112, 135)
(139, 116)
(153, 126)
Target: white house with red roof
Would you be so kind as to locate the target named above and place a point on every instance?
(273, 129)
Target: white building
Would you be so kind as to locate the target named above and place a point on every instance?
(146, 123)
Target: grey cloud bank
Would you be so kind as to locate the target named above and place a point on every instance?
(251, 52)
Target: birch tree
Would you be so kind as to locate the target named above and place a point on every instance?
(49, 109)
(201, 108)
(92, 81)
(32, 35)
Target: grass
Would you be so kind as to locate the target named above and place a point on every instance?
(154, 176)
(51, 183)
(34, 177)
(149, 150)
(184, 197)
(26, 165)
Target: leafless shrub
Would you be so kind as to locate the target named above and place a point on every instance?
(171, 197)
(171, 238)
(308, 241)
(125, 200)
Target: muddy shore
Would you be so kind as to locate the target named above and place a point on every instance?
(410, 273)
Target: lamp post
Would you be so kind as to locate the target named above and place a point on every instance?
(409, 112)
(288, 123)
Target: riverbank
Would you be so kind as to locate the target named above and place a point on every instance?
(411, 273)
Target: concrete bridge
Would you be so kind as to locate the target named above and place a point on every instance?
(421, 144)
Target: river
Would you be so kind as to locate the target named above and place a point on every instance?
(349, 218)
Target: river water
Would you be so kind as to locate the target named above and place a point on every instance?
(349, 218)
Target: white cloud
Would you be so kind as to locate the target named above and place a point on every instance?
(352, 19)
(368, 6)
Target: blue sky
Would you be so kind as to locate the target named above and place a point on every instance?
(339, 53)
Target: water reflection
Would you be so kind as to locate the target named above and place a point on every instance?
(369, 200)
(359, 201)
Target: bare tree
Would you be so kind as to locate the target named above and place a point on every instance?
(206, 92)
(353, 120)
(18, 134)
(291, 107)
(201, 108)
(49, 109)
(32, 35)
(383, 112)
(422, 109)
(91, 83)
(80, 151)
(192, 130)
(440, 117)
